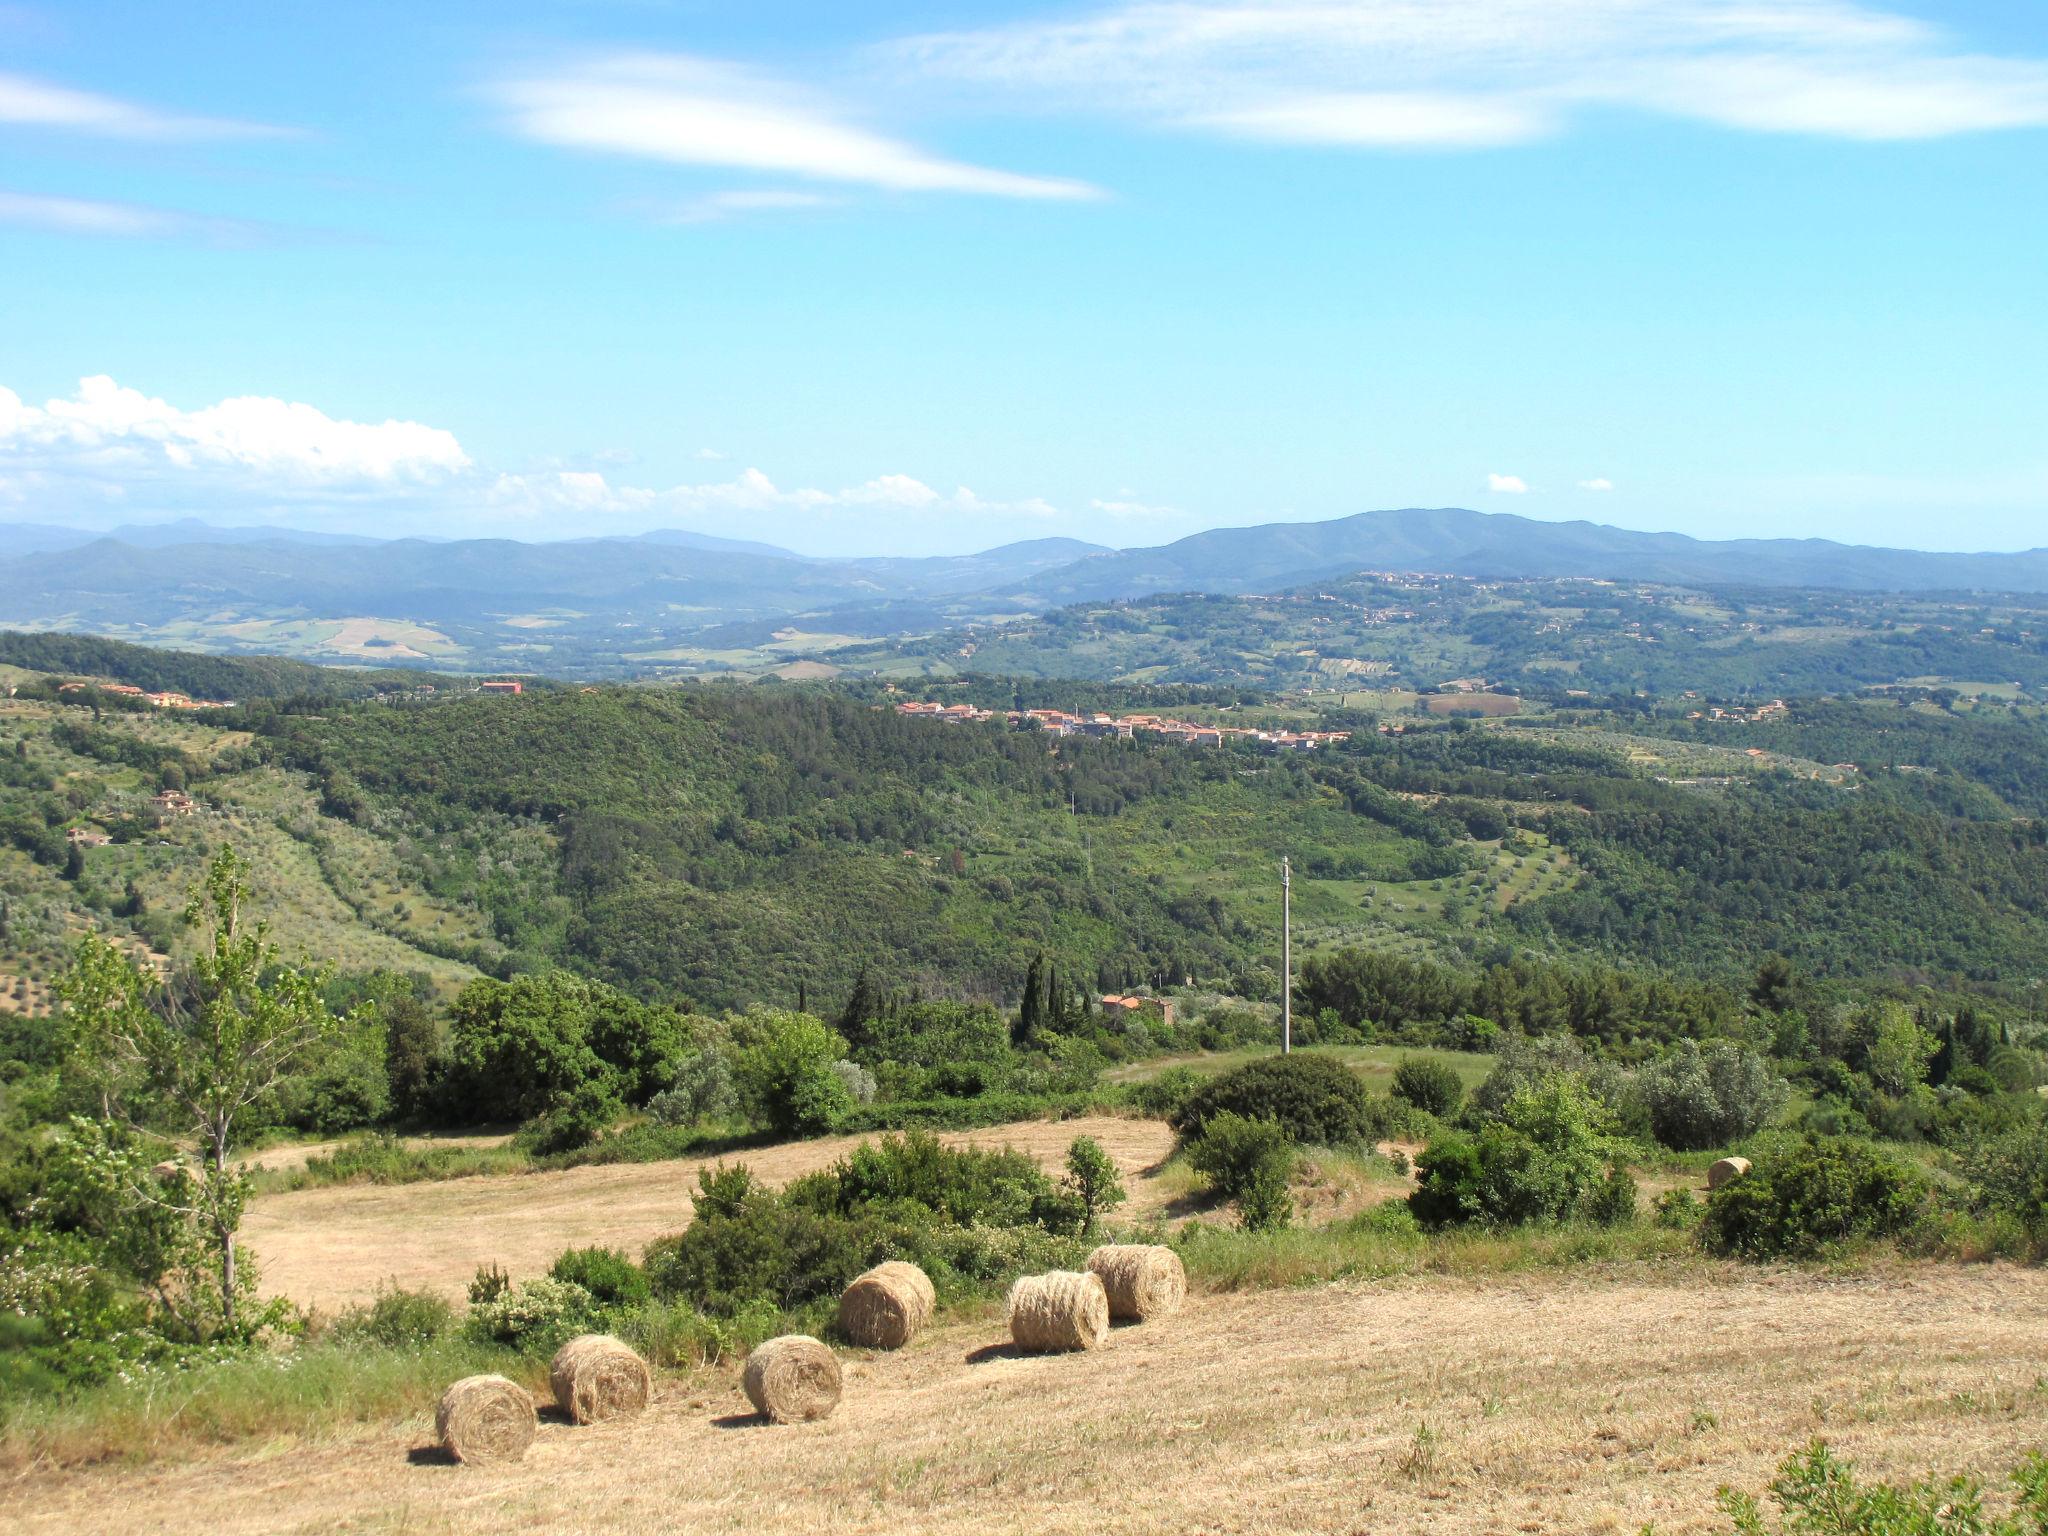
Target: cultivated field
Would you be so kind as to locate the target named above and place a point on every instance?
(1598, 1402)
(332, 1246)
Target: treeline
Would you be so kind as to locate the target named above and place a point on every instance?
(201, 677)
(1388, 996)
(2005, 754)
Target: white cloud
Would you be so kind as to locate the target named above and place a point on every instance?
(697, 112)
(78, 216)
(718, 207)
(1507, 485)
(1601, 483)
(111, 445)
(38, 104)
(1465, 73)
(707, 453)
(130, 221)
(1125, 505)
(749, 492)
(110, 431)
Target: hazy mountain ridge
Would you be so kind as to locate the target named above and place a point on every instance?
(673, 598)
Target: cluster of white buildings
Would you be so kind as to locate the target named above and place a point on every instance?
(1061, 722)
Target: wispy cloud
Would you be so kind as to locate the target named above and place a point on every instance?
(719, 207)
(1467, 73)
(1600, 483)
(696, 112)
(128, 221)
(1507, 485)
(26, 102)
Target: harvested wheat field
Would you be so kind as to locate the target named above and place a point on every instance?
(332, 1246)
(1552, 1404)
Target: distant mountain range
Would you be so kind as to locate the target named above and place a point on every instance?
(623, 604)
(1454, 542)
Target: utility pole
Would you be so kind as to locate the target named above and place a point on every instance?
(1286, 957)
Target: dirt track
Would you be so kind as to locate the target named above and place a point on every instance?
(331, 1246)
(1554, 1404)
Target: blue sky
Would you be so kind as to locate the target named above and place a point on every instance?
(929, 277)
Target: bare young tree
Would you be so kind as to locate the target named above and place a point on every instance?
(196, 1059)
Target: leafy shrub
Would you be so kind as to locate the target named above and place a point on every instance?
(1525, 1063)
(748, 1245)
(534, 1315)
(1819, 1496)
(963, 1185)
(1708, 1097)
(1537, 1162)
(1612, 1201)
(1165, 1096)
(2008, 1175)
(69, 1318)
(1314, 1100)
(1805, 1195)
(1390, 1218)
(705, 1087)
(785, 1071)
(1092, 1181)
(858, 1080)
(1678, 1210)
(1249, 1163)
(398, 1319)
(489, 1283)
(517, 1048)
(1430, 1085)
(612, 1279)
(585, 1112)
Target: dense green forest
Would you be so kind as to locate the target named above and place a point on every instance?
(201, 677)
(720, 845)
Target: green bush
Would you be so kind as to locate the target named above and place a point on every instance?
(1611, 1202)
(1431, 1086)
(966, 1186)
(1537, 1162)
(785, 1070)
(534, 1315)
(516, 1049)
(1699, 1097)
(1315, 1100)
(584, 1113)
(1678, 1210)
(1092, 1182)
(1805, 1195)
(705, 1087)
(2007, 1174)
(748, 1245)
(1817, 1495)
(613, 1280)
(1249, 1163)
(1165, 1096)
(398, 1319)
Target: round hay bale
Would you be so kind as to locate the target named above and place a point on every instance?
(1060, 1310)
(596, 1377)
(1725, 1170)
(1142, 1279)
(792, 1380)
(484, 1419)
(884, 1308)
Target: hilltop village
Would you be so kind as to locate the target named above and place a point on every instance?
(1060, 723)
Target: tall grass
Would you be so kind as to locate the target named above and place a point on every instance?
(317, 1389)
(1370, 1248)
